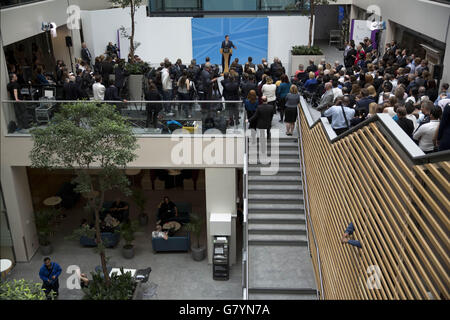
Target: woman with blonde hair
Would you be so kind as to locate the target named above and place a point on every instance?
(292, 103)
(372, 92)
(373, 108)
(269, 90)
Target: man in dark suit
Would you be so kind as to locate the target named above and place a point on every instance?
(263, 119)
(362, 106)
(231, 92)
(86, 54)
(107, 69)
(71, 89)
(112, 94)
(226, 45)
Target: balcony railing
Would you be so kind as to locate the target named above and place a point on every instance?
(397, 198)
(13, 3)
(158, 118)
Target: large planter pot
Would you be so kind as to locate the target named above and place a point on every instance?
(128, 252)
(198, 254)
(46, 250)
(143, 219)
(294, 61)
(135, 86)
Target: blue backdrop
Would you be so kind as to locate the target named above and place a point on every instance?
(249, 35)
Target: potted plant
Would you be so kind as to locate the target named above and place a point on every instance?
(127, 231)
(21, 290)
(302, 55)
(135, 79)
(140, 200)
(195, 226)
(43, 220)
(122, 287)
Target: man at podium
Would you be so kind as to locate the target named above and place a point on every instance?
(226, 48)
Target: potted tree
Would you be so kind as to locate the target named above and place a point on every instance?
(43, 220)
(127, 231)
(135, 79)
(83, 136)
(195, 226)
(141, 201)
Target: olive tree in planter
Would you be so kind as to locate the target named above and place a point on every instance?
(127, 231)
(83, 136)
(43, 220)
(195, 227)
(140, 200)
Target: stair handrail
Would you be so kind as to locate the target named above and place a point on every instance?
(306, 203)
(245, 254)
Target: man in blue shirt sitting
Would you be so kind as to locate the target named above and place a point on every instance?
(340, 115)
(49, 274)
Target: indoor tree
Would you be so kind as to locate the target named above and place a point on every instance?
(309, 6)
(134, 6)
(84, 136)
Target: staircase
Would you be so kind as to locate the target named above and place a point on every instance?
(279, 262)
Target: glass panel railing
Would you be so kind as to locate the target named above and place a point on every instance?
(145, 117)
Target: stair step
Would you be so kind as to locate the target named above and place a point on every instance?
(294, 160)
(279, 179)
(281, 228)
(276, 207)
(275, 197)
(277, 239)
(297, 188)
(276, 218)
(291, 169)
(282, 294)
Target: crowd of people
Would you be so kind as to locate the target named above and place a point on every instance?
(396, 83)
(365, 83)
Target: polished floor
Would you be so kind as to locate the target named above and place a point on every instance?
(174, 275)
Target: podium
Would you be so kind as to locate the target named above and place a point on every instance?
(226, 58)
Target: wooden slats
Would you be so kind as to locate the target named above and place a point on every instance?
(400, 214)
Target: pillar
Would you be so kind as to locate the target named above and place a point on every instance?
(220, 192)
(20, 211)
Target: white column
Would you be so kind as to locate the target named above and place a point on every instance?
(20, 211)
(220, 191)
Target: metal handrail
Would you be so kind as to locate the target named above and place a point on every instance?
(245, 213)
(306, 198)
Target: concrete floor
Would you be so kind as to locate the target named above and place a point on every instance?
(174, 275)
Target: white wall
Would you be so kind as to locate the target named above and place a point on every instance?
(18, 23)
(159, 37)
(172, 37)
(284, 33)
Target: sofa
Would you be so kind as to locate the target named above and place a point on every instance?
(179, 242)
(110, 240)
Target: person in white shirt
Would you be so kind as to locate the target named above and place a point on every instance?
(426, 132)
(337, 92)
(410, 114)
(269, 90)
(98, 89)
(166, 85)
